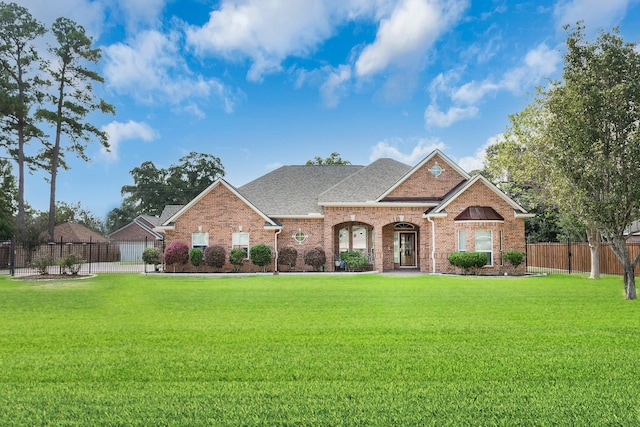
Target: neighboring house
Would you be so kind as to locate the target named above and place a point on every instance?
(70, 232)
(400, 217)
(141, 233)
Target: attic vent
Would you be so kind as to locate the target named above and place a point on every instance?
(436, 170)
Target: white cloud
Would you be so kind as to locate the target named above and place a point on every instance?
(476, 162)
(594, 13)
(119, 132)
(433, 116)
(538, 63)
(265, 31)
(150, 68)
(408, 33)
(141, 13)
(89, 14)
(422, 148)
(334, 86)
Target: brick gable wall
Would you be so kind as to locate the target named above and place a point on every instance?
(511, 230)
(422, 183)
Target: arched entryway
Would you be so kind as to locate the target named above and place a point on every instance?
(354, 236)
(401, 241)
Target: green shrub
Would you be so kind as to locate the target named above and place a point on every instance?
(151, 256)
(353, 260)
(515, 258)
(468, 260)
(260, 255)
(195, 257)
(237, 257)
(215, 256)
(176, 253)
(315, 257)
(288, 256)
(42, 264)
(72, 262)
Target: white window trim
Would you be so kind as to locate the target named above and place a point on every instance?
(237, 241)
(491, 264)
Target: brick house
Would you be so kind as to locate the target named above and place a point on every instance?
(398, 216)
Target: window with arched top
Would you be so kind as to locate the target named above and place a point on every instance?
(404, 226)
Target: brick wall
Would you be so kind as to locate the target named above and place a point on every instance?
(423, 183)
(447, 229)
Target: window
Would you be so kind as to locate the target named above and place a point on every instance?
(462, 241)
(200, 240)
(436, 170)
(359, 242)
(484, 243)
(240, 240)
(300, 236)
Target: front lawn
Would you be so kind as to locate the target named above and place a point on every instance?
(123, 349)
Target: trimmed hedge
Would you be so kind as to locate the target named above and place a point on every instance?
(468, 260)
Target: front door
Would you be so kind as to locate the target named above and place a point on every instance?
(407, 249)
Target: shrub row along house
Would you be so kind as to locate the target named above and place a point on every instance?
(398, 216)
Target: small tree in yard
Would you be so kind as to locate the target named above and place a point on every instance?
(315, 257)
(288, 256)
(237, 257)
(260, 255)
(152, 256)
(215, 256)
(195, 257)
(515, 258)
(176, 253)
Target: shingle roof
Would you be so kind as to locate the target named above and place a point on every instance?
(167, 212)
(367, 184)
(69, 232)
(294, 190)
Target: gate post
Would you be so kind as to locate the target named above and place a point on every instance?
(12, 256)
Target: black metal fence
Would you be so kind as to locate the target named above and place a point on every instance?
(18, 258)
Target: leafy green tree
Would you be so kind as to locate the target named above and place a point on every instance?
(65, 212)
(594, 138)
(236, 258)
(333, 159)
(194, 173)
(195, 257)
(148, 193)
(120, 216)
(8, 200)
(72, 100)
(260, 255)
(583, 136)
(20, 86)
(154, 188)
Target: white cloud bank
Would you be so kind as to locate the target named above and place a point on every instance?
(390, 149)
(537, 64)
(119, 132)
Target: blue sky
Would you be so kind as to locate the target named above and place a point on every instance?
(265, 83)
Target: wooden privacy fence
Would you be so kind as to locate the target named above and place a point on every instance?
(574, 257)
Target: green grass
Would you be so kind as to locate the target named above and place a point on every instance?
(319, 350)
